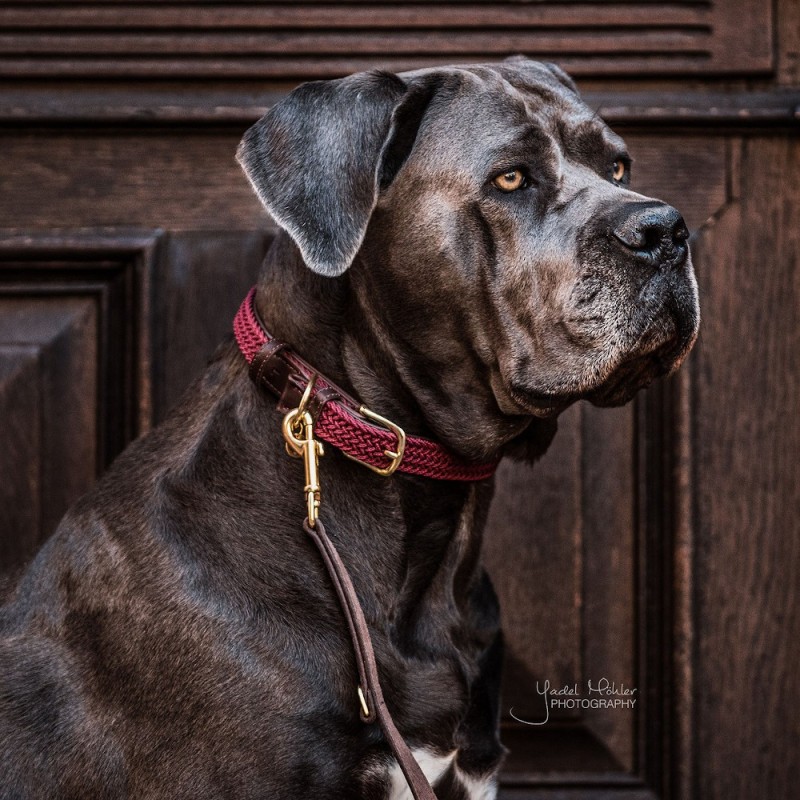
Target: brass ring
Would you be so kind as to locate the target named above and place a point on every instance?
(301, 409)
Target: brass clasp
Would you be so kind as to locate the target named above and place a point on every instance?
(298, 431)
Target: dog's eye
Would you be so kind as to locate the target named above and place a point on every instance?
(618, 170)
(510, 181)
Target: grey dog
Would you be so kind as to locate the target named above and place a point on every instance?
(461, 251)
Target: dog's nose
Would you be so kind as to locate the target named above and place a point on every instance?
(654, 233)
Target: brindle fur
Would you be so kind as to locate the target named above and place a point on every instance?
(178, 636)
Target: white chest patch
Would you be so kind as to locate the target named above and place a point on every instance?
(478, 788)
(434, 766)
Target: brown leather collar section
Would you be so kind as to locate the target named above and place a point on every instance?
(286, 375)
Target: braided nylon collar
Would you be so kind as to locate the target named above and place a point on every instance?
(342, 425)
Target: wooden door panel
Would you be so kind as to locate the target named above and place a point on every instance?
(307, 40)
(20, 455)
(179, 180)
(747, 441)
(562, 547)
(48, 413)
(74, 333)
(205, 276)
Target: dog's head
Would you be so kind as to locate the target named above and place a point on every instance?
(487, 216)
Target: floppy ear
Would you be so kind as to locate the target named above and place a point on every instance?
(318, 158)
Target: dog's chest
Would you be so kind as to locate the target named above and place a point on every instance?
(441, 768)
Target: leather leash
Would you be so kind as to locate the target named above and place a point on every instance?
(316, 407)
(369, 691)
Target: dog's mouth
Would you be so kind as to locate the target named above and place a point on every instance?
(635, 374)
(622, 384)
(660, 353)
(658, 350)
(541, 404)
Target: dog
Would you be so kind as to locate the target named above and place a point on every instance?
(460, 250)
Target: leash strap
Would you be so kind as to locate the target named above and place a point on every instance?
(365, 659)
(338, 418)
(316, 407)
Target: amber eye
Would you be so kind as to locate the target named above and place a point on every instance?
(510, 181)
(618, 170)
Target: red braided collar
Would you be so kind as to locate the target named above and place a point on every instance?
(338, 418)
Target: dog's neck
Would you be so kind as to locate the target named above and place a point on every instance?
(322, 321)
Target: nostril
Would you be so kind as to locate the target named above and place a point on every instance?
(652, 238)
(680, 233)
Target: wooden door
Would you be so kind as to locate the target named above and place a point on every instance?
(655, 546)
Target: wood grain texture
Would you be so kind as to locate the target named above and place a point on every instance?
(185, 181)
(610, 613)
(280, 40)
(595, 793)
(20, 454)
(237, 105)
(533, 553)
(48, 413)
(747, 440)
(689, 172)
(788, 51)
(76, 384)
(172, 16)
(206, 277)
(562, 545)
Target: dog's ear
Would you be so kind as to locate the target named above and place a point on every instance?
(319, 157)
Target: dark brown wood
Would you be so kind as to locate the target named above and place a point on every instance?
(101, 178)
(688, 171)
(193, 105)
(608, 508)
(75, 366)
(172, 16)
(544, 533)
(746, 440)
(656, 544)
(596, 793)
(20, 456)
(567, 611)
(50, 413)
(328, 39)
(206, 277)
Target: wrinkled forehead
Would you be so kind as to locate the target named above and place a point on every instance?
(482, 111)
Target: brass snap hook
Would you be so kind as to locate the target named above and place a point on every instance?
(298, 431)
(293, 422)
